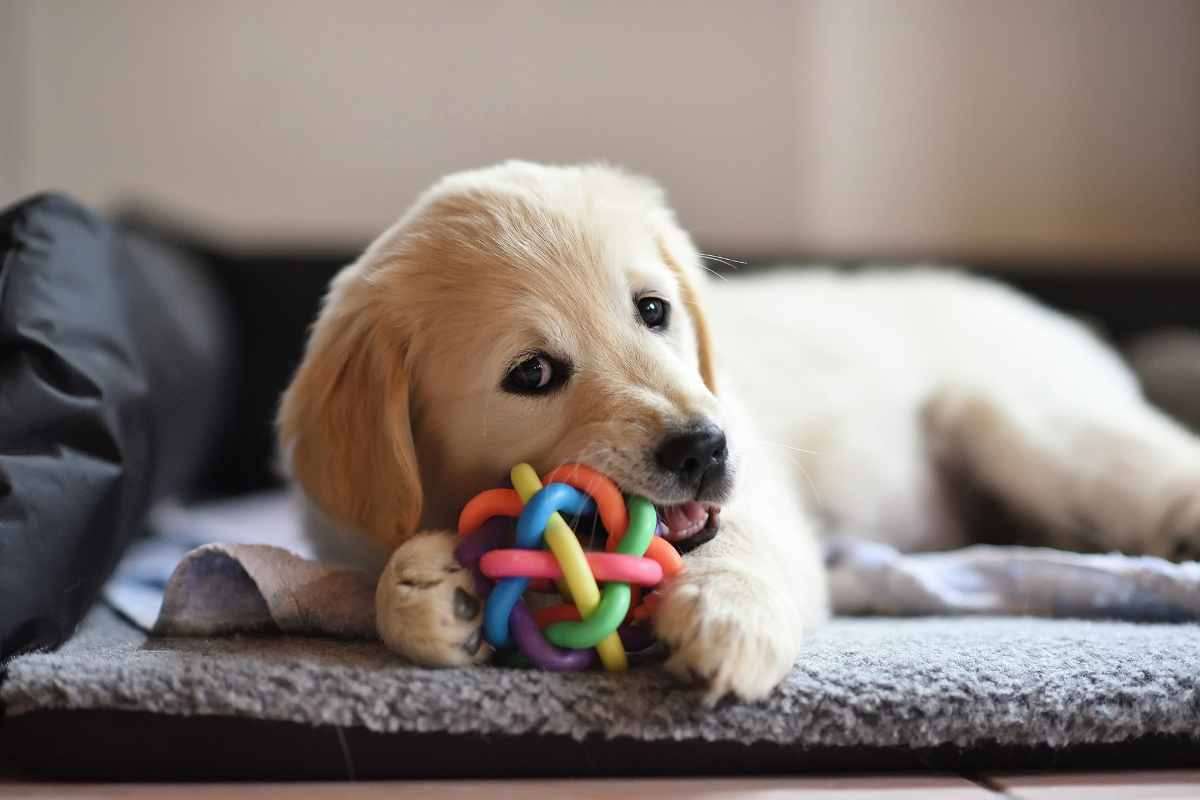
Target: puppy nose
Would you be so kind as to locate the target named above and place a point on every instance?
(693, 455)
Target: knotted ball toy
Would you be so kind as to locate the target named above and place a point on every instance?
(598, 620)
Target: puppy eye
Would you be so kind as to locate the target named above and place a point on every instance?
(654, 311)
(536, 374)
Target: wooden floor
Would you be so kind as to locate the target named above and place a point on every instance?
(1100, 786)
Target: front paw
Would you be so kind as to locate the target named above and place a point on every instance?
(730, 631)
(1179, 537)
(426, 608)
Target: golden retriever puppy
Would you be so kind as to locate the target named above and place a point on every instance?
(545, 315)
(560, 314)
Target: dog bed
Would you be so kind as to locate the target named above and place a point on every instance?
(114, 702)
(868, 694)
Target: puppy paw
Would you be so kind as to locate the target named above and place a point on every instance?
(1165, 501)
(1180, 529)
(729, 631)
(426, 608)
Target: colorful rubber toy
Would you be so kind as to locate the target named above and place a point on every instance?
(603, 621)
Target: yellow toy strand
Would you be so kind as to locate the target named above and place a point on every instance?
(562, 542)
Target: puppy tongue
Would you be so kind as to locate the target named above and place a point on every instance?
(684, 520)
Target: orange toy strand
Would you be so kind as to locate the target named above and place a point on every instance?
(667, 556)
(609, 502)
(492, 503)
(612, 512)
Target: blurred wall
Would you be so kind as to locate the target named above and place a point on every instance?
(952, 128)
(13, 115)
(1035, 126)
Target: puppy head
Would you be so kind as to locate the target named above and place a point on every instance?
(517, 313)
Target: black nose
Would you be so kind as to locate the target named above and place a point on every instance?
(693, 455)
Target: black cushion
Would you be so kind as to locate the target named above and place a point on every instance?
(274, 293)
(115, 369)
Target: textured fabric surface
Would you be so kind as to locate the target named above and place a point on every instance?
(222, 589)
(916, 683)
(235, 586)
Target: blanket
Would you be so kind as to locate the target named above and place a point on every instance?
(242, 567)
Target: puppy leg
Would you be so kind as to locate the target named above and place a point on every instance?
(1094, 474)
(735, 619)
(426, 608)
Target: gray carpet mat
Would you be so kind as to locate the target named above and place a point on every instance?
(861, 683)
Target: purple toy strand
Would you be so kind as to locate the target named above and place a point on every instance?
(496, 532)
(534, 645)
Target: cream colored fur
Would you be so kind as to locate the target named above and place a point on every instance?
(847, 401)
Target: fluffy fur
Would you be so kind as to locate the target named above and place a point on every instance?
(852, 403)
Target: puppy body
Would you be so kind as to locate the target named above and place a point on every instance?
(884, 393)
(845, 402)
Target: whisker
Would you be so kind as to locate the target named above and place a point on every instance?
(716, 257)
(576, 518)
(597, 456)
(810, 484)
(795, 456)
(789, 447)
(577, 463)
(592, 533)
(713, 272)
(732, 263)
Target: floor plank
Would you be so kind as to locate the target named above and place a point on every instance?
(1102, 785)
(899, 787)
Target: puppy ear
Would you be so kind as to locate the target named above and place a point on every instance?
(684, 261)
(344, 422)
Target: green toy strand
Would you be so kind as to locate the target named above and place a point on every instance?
(615, 597)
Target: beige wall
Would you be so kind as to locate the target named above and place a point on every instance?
(1058, 126)
(13, 83)
(958, 127)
